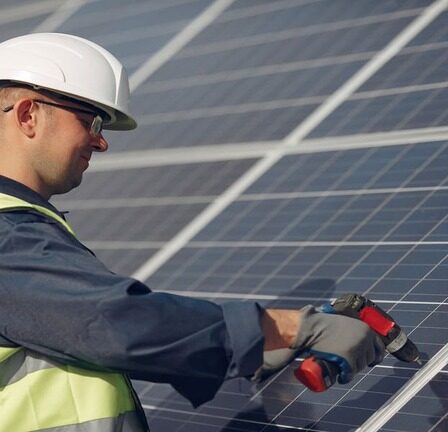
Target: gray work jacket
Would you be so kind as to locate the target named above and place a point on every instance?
(59, 300)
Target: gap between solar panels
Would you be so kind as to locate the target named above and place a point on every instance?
(255, 150)
(407, 392)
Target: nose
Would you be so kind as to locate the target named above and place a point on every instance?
(100, 144)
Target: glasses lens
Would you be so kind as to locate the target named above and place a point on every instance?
(97, 126)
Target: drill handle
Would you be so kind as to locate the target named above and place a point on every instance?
(317, 374)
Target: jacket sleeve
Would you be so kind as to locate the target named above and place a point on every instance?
(59, 300)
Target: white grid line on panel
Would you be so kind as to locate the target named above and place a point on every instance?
(202, 414)
(126, 10)
(400, 260)
(123, 245)
(107, 203)
(250, 41)
(25, 11)
(142, 245)
(409, 390)
(177, 43)
(330, 221)
(308, 243)
(271, 297)
(138, 35)
(435, 427)
(422, 377)
(60, 15)
(406, 392)
(293, 222)
(142, 34)
(261, 9)
(216, 111)
(206, 216)
(182, 156)
(366, 71)
(393, 91)
(252, 72)
(238, 151)
(293, 139)
(241, 216)
(251, 107)
(274, 69)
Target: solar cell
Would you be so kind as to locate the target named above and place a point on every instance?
(433, 34)
(182, 180)
(9, 28)
(119, 259)
(244, 118)
(407, 93)
(282, 49)
(280, 16)
(230, 127)
(112, 17)
(132, 30)
(274, 88)
(154, 223)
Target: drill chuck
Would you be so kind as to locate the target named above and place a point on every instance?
(393, 337)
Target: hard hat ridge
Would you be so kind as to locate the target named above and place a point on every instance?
(71, 66)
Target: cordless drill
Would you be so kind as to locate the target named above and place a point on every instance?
(319, 375)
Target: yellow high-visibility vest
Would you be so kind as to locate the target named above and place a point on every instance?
(37, 393)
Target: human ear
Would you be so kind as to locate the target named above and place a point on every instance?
(25, 117)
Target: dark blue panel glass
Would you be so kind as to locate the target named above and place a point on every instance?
(422, 165)
(20, 27)
(145, 223)
(412, 67)
(411, 110)
(123, 261)
(105, 17)
(272, 86)
(259, 125)
(181, 181)
(250, 18)
(435, 33)
(193, 61)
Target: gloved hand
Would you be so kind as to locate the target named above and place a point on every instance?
(348, 342)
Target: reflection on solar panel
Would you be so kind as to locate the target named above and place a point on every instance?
(288, 152)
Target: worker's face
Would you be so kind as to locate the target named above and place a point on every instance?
(63, 154)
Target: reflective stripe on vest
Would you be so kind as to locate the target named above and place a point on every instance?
(10, 203)
(40, 394)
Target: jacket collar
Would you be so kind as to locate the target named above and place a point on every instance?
(19, 190)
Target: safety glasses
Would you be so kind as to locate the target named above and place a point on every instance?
(96, 126)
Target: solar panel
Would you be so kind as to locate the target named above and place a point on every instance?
(287, 152)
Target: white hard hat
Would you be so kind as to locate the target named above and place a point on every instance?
(71, 66)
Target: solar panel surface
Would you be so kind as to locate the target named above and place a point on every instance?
(357, 204)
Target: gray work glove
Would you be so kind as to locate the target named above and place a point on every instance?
(348, 342)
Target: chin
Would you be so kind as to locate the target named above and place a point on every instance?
(67, 187)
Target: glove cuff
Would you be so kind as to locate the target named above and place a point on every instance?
(307, 332)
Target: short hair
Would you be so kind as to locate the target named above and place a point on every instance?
(9, 94)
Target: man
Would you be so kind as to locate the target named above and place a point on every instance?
(72, 333)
